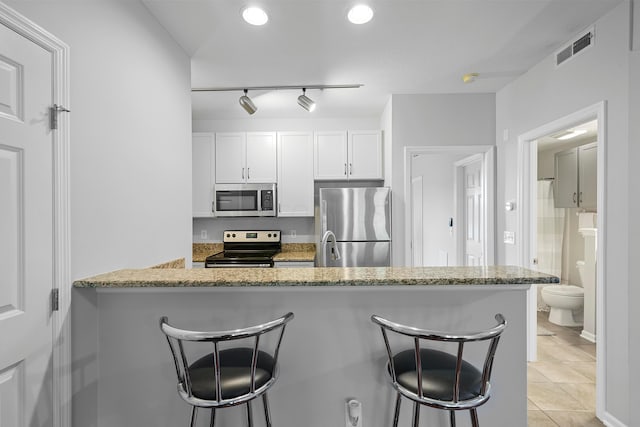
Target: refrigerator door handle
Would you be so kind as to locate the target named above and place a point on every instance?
(323, 215)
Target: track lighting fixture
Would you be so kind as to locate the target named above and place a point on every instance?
(305, 102)
(247, 103)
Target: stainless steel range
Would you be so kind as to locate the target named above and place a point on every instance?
(246, 248)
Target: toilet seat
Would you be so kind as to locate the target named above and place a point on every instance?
(564, 290)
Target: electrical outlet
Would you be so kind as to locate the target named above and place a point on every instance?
(203, 234)
(353, 413)
(509, 237)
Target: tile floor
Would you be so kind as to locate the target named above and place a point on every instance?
(561, 384)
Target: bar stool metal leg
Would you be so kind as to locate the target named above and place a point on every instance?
(474, 417)
(416, 414)
(194, 415)
(249, 417)
(267, 414)
(396, 414)
(452, 418)
(213, 417)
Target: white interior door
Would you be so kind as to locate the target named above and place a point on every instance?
(474, 200)
(417, 229)
(26, 233)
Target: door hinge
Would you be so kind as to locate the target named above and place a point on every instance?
(53, 115)
(55, 299)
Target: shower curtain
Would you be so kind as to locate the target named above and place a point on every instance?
(550, 233)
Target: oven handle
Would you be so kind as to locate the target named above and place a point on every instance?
(238, 265)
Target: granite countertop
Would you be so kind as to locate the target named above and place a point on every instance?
(290, 251)
(352, 276)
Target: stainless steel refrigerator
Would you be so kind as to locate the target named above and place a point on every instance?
(360, 219)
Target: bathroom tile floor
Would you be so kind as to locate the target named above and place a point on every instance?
(561, 384)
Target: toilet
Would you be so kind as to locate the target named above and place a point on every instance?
(566, 302)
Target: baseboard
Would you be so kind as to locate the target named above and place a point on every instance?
(611, 421)
(588, 336)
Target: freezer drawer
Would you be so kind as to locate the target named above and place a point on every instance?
(361, 254)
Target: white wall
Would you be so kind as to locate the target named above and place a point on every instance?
(130, 134)
(546, 93)
(634, 209)
(434, 120)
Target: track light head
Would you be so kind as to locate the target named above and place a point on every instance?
(305, 102)
(247, 103)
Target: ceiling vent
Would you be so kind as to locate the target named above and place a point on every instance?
(577, 46)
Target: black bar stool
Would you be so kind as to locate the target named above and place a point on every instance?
(436, 378)
(233, 373)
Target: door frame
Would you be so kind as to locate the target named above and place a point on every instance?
(489, 179)
(526, 191)
(61, 326)
(415, 183)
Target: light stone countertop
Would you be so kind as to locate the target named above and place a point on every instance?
(335, 276)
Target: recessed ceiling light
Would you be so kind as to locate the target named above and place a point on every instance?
(360, 14)
(255, 16)
(571, 134)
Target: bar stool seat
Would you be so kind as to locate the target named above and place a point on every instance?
(235, 374)
(437, 375)
(436, 378)
(237, 371)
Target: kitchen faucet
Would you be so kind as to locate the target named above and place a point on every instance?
(335, 253)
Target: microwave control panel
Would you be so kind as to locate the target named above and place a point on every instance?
(266, 200)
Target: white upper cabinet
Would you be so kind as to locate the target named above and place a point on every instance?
(295, 174)
(365, 155)
(203, 159)
(348, 155)
(261, 157)
(588, 176)
(576, 177)
(245, 157)
(330, 155)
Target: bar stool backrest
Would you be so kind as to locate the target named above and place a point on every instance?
(419, 335)
(177, 339)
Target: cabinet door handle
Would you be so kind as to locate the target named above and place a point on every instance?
(581, 197)
(350, 168)
(243, 175)
(279, 207)
(345, 169)
(574, 197)
(213, 206)
(248, 175)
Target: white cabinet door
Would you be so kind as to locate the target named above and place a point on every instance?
(566, 179)
(587, 176)
(261, 157)
(295, 174)
(203, 160)
(330, 155)
(365, 155)
(230, 158)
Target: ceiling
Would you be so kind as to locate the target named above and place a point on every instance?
(551, 142)
(410, 46)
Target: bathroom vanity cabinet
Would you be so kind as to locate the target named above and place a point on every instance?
(576, 177)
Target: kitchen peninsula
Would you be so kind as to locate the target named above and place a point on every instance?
(123, 372)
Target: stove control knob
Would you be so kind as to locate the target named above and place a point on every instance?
(233, 235)
(228, 235)
(269, 235)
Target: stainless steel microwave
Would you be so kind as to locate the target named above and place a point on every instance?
(244, 200)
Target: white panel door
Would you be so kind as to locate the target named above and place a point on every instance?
(330, 155)
(295, 174)
(230, 158)
(474, 212)
(261, 157)
(202, 170)
(417, 230)
(26, 233)
(365, 155)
